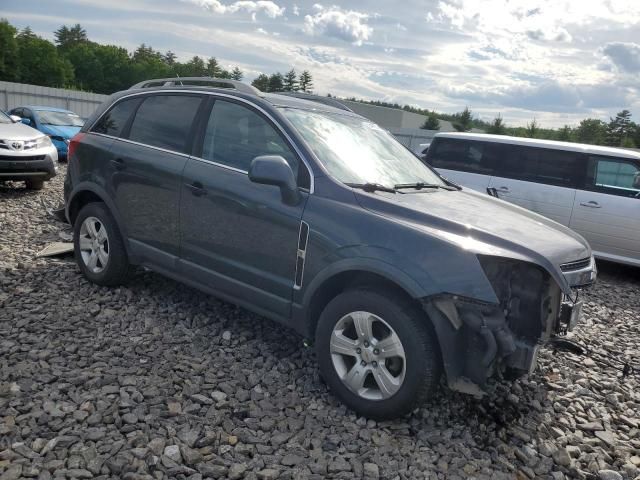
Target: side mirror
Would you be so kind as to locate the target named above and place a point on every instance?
(274, 170)
(26, 121)
(15, 118)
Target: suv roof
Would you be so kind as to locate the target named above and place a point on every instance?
(280, 99)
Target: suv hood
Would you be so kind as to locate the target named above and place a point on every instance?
(18, 131)
(482, 224)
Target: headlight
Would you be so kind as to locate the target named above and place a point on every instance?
(43, 142)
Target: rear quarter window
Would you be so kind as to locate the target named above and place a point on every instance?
(164, 121)
(616, 176)
(541, 165)
(113, 122)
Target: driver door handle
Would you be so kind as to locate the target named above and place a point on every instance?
(118, 164)
(197, 189)
(591, 204)
(503, 189)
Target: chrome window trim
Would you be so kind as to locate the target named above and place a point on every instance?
(311, 188)
(126, 140)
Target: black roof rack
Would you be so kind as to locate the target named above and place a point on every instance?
(332, 102)
(199, 81)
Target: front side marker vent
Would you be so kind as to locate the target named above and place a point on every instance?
(303, 239)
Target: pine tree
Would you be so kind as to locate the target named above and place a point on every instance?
(532, 129)
(431, 123)
(169, 58)
(68, 37)
(236, 74)
(213, 68)
(261, 82)
(276, 82)
(306, 82)
(465, 119)
(565, 134)
(619, 128)
(290, 81)
(497, 127)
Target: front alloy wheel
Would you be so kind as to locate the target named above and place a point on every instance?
(377, 352)
(368, 355)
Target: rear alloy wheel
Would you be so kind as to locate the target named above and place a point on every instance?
(98, 246)
(377, 352)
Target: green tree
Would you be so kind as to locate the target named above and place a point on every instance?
(196, 67)
(68, 37)
(592, 131)
(532, 129)
(276, 82)
(290, 81)
(40, 63)
(261, 82)
(565, 134)
(619, 128)
(9, 63)
(213, 68)
(463, 121)
(431, 123)
(169, 58)
(236, 74)
(497, 127)
(627, 142)
(306, 81)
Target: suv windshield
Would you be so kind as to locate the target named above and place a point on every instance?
(60, 118)
(4, 118)
(357, 151)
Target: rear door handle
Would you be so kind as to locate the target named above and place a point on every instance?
(197, 189)
(591, 204)
(503, 189)
(118, 164)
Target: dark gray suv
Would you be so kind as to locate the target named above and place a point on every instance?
(317, 218)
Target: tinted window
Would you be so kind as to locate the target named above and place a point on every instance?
(614, 175)
(541, 165)
(113, 122)
(235, 135)
(164, 121)
(463, 155)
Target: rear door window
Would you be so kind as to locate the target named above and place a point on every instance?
(164, 121)
(113, 122)
(463, 155)
(542, 165)
(612, 175)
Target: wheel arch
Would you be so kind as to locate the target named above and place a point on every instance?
(85, 193)
(348, 275)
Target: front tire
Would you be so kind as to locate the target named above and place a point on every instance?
(377, 352)
(99, 247)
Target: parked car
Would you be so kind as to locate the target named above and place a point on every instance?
(58, 124)
(25, 153)
(588, 188)
(315, 217)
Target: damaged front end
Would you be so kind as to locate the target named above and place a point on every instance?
(478, 338)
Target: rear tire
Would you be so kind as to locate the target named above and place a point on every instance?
(378, 353)
(34, 184)
(98, 246)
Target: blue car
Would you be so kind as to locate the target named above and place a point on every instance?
(58, 124)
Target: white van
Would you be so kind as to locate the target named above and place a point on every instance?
(594, 190)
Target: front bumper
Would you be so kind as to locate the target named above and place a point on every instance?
(38, 164)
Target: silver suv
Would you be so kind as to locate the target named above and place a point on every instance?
(25, 153)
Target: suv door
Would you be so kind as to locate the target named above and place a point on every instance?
(145, 171)
(238, 237)
(465, 162)
(607, 209)
(540, 179)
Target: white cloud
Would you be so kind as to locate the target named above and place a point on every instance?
(269, 8)
(296, 10)
(334, 22)
(626, 56)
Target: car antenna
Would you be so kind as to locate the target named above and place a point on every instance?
(178, 77)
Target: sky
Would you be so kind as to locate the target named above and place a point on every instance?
(557, 61)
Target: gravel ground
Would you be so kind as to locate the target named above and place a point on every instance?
(156, 380)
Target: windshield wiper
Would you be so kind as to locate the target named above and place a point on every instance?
(372, 187)
(421, 185)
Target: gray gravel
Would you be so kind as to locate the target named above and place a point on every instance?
(156, 380)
